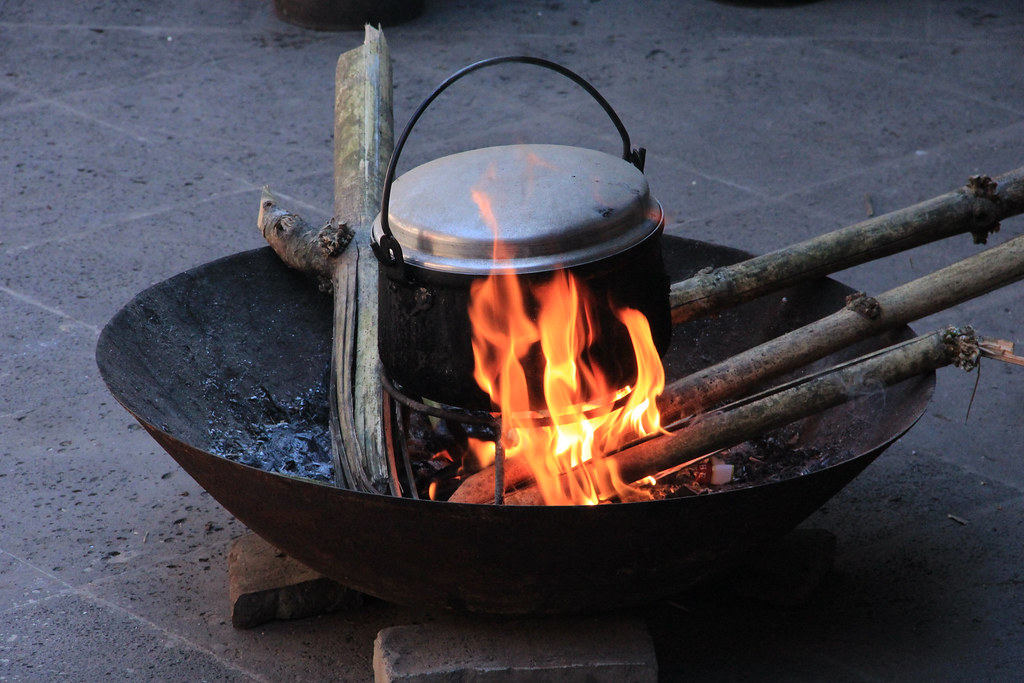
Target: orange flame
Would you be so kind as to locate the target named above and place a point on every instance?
(583, 416)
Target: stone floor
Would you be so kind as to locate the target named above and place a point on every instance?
(136, 136)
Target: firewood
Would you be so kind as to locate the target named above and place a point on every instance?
(976, 208)
(703, 434)
(969, 278)
(363, 142)
(974, 276)
(1001, 349)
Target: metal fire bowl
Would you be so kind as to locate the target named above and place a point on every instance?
(249, 321)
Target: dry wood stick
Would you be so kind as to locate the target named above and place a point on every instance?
(363, 143)
(749, 418)
(301, 246)
(863, 317)
(976, 208)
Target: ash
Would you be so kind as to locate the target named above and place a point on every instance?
(771, 458)
(290, 437)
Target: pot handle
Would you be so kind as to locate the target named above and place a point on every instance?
(388, 250)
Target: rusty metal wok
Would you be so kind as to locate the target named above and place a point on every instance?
(248, 320)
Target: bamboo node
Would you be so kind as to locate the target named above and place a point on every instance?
(962, 346)
(865, 305)
(983, 186)
(981, 234)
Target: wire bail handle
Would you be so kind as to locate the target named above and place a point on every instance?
(388, 250)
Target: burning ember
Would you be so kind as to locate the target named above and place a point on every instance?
(563, 428)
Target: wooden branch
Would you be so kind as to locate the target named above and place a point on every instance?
(299, 244)
(752, 417)
(976, 208)
(862, 318)
(363, 142)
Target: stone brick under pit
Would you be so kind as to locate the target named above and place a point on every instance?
(596, 650)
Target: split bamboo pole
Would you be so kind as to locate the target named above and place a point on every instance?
(863, 317)
(743, 420)
(363, 143)
(976, 208)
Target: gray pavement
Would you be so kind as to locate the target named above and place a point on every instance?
(134, 138)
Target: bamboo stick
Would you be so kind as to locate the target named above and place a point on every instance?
(749, 418)
(967, 279)
(976, 208)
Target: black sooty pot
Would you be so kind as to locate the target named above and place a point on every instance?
(524, 211)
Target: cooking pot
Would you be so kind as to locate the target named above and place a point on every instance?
(524, 211)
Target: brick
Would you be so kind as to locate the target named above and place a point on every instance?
(265, 584)
(595, 650)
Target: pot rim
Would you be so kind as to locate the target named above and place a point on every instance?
(553, 207)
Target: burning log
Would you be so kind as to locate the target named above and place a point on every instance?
(704, 434)
(363, 142)
(976, 208)
(863, 317)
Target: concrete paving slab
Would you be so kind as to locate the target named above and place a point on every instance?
(921, 594)
(989, 74)
(52, 63)
(78, 639)
(911, 589)
(917, 177)
(147, 250)
(194, 604)
(193, 14)
(219, 91)
(904, 491)
(11, 98)
(765, 126)
(808, 113)
(41, 346)
(23, 584)
(83, 520)
(72, 174)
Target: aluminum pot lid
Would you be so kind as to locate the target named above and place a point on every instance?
(551, 206)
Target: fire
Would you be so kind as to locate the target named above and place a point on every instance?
(563, 428)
